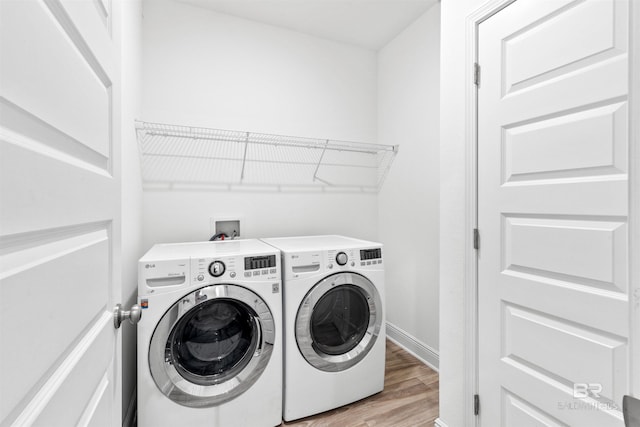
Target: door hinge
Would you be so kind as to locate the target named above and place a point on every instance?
(476, 74)
(476, 239)
(476, 404)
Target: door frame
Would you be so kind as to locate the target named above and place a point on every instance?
(471, 339)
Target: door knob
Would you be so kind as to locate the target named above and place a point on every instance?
(133, 315)
(631, 411)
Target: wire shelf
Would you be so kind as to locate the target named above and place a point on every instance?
(183, 157)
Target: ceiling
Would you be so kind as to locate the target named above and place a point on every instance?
(366, 23)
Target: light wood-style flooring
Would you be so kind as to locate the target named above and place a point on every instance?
(409, 398)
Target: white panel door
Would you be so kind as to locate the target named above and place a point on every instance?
(59, 214)
(552, 213)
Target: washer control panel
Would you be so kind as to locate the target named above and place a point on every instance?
(240, 268)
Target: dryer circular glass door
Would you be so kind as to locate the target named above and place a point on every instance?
(211, 345)
(338, 321)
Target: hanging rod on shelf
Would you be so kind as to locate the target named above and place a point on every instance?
(184, 154)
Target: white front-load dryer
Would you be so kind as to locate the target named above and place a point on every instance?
(334, 324)
(209, 340)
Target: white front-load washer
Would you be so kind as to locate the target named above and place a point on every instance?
(334, 324)
(209, 340)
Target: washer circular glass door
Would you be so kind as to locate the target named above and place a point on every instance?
(338, 321)
(211, 345)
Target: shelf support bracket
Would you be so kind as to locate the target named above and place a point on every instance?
(244, 158)
(315, 173)
(323, 181)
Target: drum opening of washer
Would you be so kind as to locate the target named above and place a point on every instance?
(213, 342)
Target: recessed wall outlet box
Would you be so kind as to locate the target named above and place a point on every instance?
(230, 227)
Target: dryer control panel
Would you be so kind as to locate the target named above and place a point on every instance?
(235, 269)
(370, 256)
(349, 258)
(301, 264)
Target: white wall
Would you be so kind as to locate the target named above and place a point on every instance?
(408, 114)
(131, 33)
(207, 69)
(453, 174)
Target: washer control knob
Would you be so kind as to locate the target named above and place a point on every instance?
(232, 274)
(341, 258)
(200, 277)
(216, 268)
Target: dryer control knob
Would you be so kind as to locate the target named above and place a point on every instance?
(342, 258)
(216, 268)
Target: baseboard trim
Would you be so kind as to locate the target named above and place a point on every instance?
(130, 416)
(439, 423)
(422, 351)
